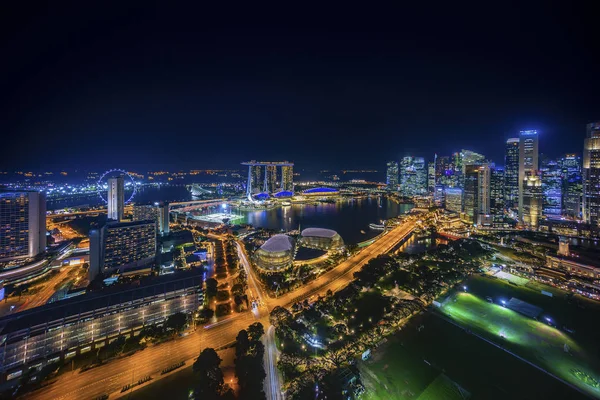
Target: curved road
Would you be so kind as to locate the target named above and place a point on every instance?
(110, 378)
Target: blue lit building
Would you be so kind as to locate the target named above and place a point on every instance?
(413, 176)
(321, 191)
(392, 175)
(572, 185)
(552, 188)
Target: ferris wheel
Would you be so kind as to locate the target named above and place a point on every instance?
(102, 184)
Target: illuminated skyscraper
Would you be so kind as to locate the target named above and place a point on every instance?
(477, 201)
(163, 219)
(270, 179)
(431, 177)
(528, 162)
(444, 171)
(287, 178)
(22, 224)
(256, 172)
(391, 178)
(462, 160)
(116, 198)
(511, 173)
(551, 188)
(121, 246)
(413, 176)
(453, 199)
(497, 196)
(572, 186)
(532, 200)
(268, 182)
(591, 175)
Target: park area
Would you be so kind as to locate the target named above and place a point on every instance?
(437, 355)
(545, 346)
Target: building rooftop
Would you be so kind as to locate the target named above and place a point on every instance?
(284, 193)
(125, 224)
(278, 243)
(104, 298)
(318, 232)
(321, 190)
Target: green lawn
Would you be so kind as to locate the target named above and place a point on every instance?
(585, 320)
(443, 388)
(535, 341)
(406, 366)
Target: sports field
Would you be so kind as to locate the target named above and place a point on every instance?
(219, 217)
(442, 361)
(545, 346)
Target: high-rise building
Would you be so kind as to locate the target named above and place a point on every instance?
(119, 246)
(453, 199)
(591, 174)
(528, 162)
(532, 200)
(163, 218)
(413, 176)
(287, 178)
(145, 212)
(116, 198)
(462, 160)
(444, 171)
(431, 176)
(572, 185)
(270, 185)
(552, 183)
(511, 173)
(477, 191)
(391, 176)
(497, 195)
(268, 182)
(22, 224)
(256, 177)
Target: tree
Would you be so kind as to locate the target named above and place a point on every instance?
(176, 322)
(237, 289)
(242, 279)
(255, 331)
(209, 384)
(211, 287)
(337, 357)
(279, 316)
(207, 313)
(242, 343)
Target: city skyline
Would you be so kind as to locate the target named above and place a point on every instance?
(273, 204)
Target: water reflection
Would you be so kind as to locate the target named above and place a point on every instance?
(416, 245)
(347, 217)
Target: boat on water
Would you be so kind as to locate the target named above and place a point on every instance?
(286, 203)
(377, 227)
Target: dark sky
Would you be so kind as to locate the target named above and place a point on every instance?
(161, 87)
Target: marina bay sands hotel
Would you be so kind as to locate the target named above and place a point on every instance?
(263, 177)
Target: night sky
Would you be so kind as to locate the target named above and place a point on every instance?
(178, 88)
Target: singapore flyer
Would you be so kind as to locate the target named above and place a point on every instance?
(129, 184)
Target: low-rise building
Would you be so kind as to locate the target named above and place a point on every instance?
(320, 238)
(572, 267)
(61, 330)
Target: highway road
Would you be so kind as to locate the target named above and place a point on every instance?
(110, 378)
(272, 380)
(48, 289)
